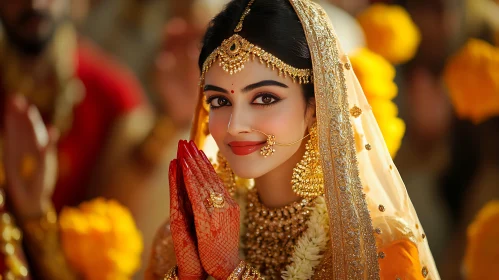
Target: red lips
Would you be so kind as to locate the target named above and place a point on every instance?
(243, 148)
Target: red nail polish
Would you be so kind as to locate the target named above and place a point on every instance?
(203, 155)
(184, 164)
(193, 149)
(188, 151)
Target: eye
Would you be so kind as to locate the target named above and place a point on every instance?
(217, 102)
(265, 99)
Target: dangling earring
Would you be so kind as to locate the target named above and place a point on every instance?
(225, 173)
(308, 179)
(268, 150)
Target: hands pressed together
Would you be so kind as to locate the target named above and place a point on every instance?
(205, 233)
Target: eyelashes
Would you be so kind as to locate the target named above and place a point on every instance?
(262, 99)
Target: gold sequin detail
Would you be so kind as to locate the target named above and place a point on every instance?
(348, 66)
(424, 271)
(355, 111)
(391, 167)
(272, 234)
(239, 25)
(381, 255)
(423, 236)
(381, 208)
(368, 147)
(377, 230)
(355, 251)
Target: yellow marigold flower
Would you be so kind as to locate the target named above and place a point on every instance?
(482, 252)
(100, 240)
(375, 74)
(472, 77)
(390, 32)
(393, 130)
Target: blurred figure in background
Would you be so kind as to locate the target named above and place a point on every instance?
(94, 106)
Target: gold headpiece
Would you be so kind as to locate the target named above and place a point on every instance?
(236, 51)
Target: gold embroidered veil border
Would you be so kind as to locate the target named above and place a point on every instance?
(368, 205)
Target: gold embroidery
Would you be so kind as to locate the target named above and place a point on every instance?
(350, 222)
(355, 111)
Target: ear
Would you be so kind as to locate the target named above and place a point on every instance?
(310, 114)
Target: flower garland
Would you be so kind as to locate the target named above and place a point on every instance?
(311, 246)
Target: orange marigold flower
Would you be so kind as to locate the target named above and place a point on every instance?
(101, 240)
(390, 32)
(472, 77)
(482, 252)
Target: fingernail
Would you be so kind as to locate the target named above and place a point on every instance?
(192, 148)
(203, 155)
(184, 164)
(188, 151)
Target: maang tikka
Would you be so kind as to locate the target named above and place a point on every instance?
(235, 51)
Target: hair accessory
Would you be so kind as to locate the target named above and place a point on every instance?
(235, 51)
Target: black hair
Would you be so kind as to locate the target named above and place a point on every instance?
(271, 25)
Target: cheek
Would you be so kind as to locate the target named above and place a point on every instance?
(219, 120)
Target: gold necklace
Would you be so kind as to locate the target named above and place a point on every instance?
(272, 233)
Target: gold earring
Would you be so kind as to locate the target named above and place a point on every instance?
(225, 173)
(268, 150)
(308, 179)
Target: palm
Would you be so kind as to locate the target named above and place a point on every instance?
(29, 159)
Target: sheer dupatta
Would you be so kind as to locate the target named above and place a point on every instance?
(368, 206)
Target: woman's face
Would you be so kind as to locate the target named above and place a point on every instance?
(256, 98)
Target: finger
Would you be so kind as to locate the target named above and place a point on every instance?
(205, 169)
(38, 128)
(194, 191)
(198, 177)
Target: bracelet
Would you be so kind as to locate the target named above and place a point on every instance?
(250, 273)
(238, 271)
(171, 274)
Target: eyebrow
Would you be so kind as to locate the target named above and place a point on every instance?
(215, 88)
(248, 87)
(263, 84)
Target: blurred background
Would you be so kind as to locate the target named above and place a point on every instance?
(124, 72)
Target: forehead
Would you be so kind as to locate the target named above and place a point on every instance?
(253, 71)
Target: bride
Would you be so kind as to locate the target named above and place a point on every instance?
(280, 99)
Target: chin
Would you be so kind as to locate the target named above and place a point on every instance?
(248, 169)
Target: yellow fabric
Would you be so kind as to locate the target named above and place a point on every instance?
(401, 261)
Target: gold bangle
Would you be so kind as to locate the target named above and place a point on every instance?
(238, 271)
(171, 274)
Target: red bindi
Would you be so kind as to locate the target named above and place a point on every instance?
(232, 91)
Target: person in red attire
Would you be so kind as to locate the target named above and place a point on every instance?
(60, 98)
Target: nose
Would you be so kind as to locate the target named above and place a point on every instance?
(238, 123)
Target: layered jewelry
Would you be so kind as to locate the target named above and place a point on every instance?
(272, 233)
